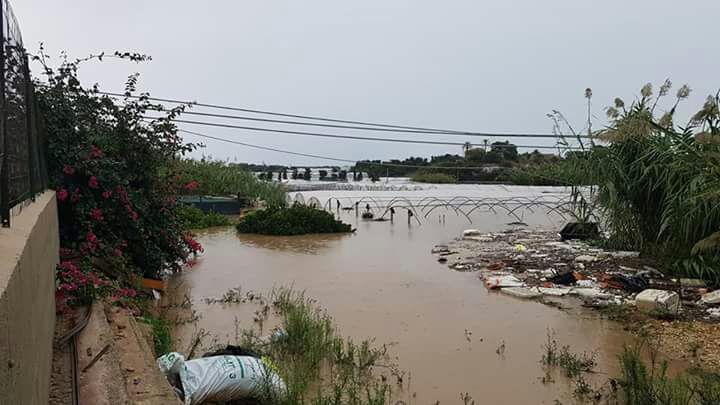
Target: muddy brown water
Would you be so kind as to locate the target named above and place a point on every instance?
(382, 282)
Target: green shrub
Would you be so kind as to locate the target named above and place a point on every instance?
(439, 178)
(194, 218)
(296, 220)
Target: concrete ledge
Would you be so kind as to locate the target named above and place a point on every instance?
(28, 256)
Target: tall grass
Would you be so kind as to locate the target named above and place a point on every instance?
(651, 384)
(658, 183)
(317, 365)
(220, 178)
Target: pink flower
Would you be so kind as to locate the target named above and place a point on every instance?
(69, 170)
(192, 186)
(95, 152)
(91, 238)
(62, 195)
(107, 194)
(93, 182)
(134, 215)
(75, 195)
(117, 252)
(96, 214)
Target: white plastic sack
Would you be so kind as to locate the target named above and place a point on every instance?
(219, 378)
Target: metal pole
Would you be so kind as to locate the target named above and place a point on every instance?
(4, 181)
(31, 142)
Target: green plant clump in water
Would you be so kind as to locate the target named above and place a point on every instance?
(296, 220)
(438, 178)
(194, 218)
(317, 365)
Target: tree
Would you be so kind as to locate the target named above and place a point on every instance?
(284, 174)
(343, 175)
(294, 174)
(505, 150)
(323, 174)
(113, 171)
(307, 176)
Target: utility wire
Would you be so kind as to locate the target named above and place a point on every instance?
(336, 136)
(408, 131)
(365, 125)
(249, 145)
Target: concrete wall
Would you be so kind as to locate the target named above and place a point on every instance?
(28, 255)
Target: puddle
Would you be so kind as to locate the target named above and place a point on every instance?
(383, 282)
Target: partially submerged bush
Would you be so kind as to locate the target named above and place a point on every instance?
(194, 218)
(296, 220)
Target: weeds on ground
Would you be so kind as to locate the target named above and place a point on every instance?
(318, 366)
(162, 340)
(643, 384)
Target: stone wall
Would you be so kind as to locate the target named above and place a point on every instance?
(28, 255)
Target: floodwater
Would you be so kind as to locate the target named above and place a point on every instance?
(382, 282)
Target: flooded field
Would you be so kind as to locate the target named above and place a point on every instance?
(382, 282)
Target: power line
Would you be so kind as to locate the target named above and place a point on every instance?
(336, 136)
(249, 145)
(365, 125)
(326, 157)
(409, 131)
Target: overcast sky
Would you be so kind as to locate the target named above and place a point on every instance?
(476, 65)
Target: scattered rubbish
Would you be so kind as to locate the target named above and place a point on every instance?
(440, 249)
(585, 259)
(692, 283)
(217, 378)
(624, 282)
(580, 231)
(442, 259)
(623, 254)
(711, 298)
(472, 232)
(651, 299)
(517, 223)
(553, 291)
(367, 215)
(563, 279)
(504, 281)
(520, 248)
(496, 266)
(714, 313)
(591, 293)
(586, 283)
(522, 292)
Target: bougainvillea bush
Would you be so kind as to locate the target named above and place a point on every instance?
(110, 168)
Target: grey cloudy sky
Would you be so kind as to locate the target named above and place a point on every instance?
(473, 65)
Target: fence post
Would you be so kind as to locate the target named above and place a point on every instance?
(4, 180)
(31, 141)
